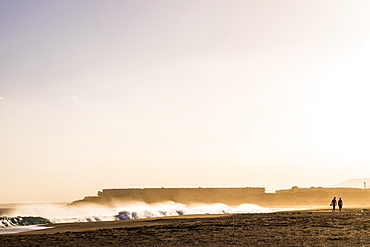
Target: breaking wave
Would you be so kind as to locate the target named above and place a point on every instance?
(177, 209)
(22, 221)
(45, 214)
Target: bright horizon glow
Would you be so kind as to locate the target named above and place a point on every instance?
(181, 94)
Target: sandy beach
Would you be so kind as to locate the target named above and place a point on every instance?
(296, 228)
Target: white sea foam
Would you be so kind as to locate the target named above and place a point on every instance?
(126, 211)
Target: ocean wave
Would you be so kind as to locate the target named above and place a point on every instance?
(176, 209)
(46, 214)
(6, 221)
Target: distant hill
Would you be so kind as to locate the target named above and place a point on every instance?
(355, 182)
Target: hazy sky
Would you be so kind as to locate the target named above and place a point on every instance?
(143, 93)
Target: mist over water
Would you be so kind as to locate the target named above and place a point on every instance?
(124, 211)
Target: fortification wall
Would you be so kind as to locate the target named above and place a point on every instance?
(184, 195)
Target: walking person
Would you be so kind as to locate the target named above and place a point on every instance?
(340, 204)
(333, 203)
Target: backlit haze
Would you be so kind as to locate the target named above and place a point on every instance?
(143, 93)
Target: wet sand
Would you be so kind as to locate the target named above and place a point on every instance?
(297, 228)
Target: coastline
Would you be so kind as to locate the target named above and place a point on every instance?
(315, 227)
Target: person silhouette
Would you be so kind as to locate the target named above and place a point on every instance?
(340, 204)
(333, 203)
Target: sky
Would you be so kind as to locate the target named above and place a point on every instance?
(185, 93)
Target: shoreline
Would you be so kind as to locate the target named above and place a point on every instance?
(166, 220)
(109, 224)
(313, 227)
(93, 225)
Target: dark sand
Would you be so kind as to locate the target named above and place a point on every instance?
(298, 228)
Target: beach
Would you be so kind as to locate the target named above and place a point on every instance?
(322, 227)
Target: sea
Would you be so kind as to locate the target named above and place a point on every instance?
(22, 217)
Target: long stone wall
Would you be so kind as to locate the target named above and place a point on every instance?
(230, 195)
(186, 195)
